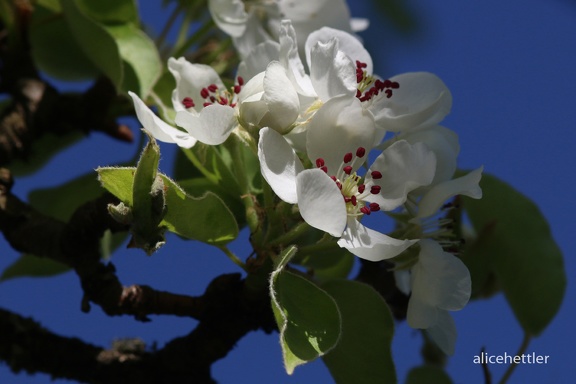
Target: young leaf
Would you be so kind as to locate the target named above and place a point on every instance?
(308, 318)
(98, 45)
(33, 266)
(363, 354)
(110, 11)
(520, 250)
(140, 54)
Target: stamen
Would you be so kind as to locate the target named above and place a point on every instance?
(188, 102)
(376, 175)
(374, 207)
(320, 162)
(360, 152)
(375, 189)
(240, 81)
(348, 157)
(212, 88)
(204, 93)
(347, 169)
(361, 188)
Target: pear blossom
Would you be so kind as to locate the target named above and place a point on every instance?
(269, 99)
(440, 282)
(250, 23)
(334, 198)
(205, 109)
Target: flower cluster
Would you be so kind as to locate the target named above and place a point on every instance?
(337, 140)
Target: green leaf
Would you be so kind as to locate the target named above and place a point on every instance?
(329, 265)
(42, 150)
(427, 374)
(363, 354)
(110, 11)
(33, 266)
(140, 55)
(98, 45)
(118, 181)
(54, 48)
(520, 250)
(205, 218)
(307, 316)
(61, 201)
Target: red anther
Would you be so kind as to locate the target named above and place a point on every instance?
(347, 199)
(360, 64)
(359, 77)
(347, 169)
(376, 175)
(212, 87)
(206, 104)
(237, 89)
(360, 152)
(374, 207)
(379, 84)
(223, 101)
(365, 210)
(395, 85)
(188, 102)
(320, 162)
(212, 99)
(325, 169)
(204, 93)
(339, 185)
(388, 93)
(375, 189)
(240, 81)
(358, 93)
(353, 200)
(348, 157)
(333, 178)
(361, 188)
(387, 83)
(233, 105)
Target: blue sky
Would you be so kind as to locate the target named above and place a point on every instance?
(511, 69)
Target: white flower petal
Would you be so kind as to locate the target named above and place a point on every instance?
(332, 72)
(440, 278)
(404, 167)
(466, 185)
(359, 24)
(190, 79)
(279, 164)
(369, 244)
(421, 99)
(444, 332)
(290, 60)
(211, 126)
(281, 99)
(420, 314)
(444, 143)
(347, 43)
(258, 59)
(229, 16)
(254, 34)
(158, 128)
(320, 201)
(340, 126)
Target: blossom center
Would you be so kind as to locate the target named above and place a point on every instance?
(212, 94)
(351, 185)
(370, 87)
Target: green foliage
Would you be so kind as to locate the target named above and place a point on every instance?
(363, 354)
(93, 37)
(153, 203)
(33, 266)
(516, 247)
(308, 318)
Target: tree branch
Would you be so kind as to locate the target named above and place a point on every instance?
(231, 312)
